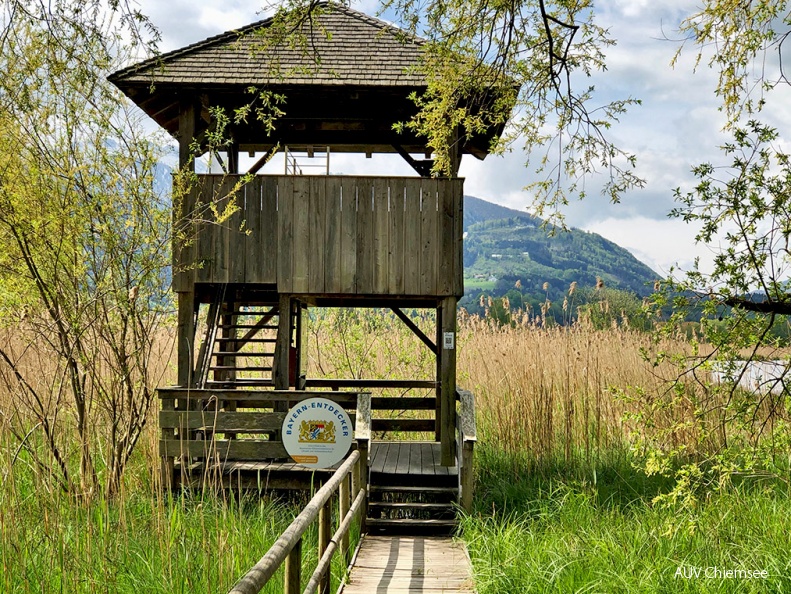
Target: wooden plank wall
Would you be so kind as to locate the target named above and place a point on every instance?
(200, 423)
(327, 235)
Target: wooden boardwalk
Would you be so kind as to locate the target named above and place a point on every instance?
(410, 564)
(408, 457)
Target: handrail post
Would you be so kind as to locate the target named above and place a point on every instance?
(293, 575)
(362, 435)
(325, 534)
(354, 475)
(344, 502)
(467, 436)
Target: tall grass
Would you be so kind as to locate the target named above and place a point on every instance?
(559, 506)
(139, 540)
(591, 527)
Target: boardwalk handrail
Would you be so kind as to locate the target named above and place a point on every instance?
(466, 438)
(350, 480)
(261, 572)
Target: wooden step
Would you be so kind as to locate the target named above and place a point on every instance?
(439, 507)
(401, 522)
(249, 326)
(235, 368)
(239, 339)
(240, 354)
(415, 480)
(408, 526)
(240, 382)
(413, 490)
(413, 511)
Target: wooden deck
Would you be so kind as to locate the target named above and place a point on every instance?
(410, 564)
(408, 457)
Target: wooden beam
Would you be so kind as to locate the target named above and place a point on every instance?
(185, 336)
(240, 342)
(221, 421)
(368, 383)
(423, 168)
(263, 160)
(402, 403)
(438, 367)
(221, 161)
(448, 382)
(405, 425)
(233, 158)
(417, 331)
(225, 449)
(222, 394)
(283, 344)
(454, 152)
(188, 116)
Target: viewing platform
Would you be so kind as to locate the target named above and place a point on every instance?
(324, 235)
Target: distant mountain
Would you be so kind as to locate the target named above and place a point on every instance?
(479, 211)
(503, 246)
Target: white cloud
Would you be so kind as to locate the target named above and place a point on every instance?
(661, 244)
(677, 126)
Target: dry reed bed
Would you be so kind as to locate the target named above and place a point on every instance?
(539, 391)
(544, 391)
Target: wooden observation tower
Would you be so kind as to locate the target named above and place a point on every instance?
(299, 241)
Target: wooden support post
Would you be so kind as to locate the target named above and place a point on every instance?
(167, 467)
(447, 348)
(325, 534)
(356, 486)
(455, 152)
(299, 377)
(188, 123)
(344, 502)
(355, 476)
(233, 158)
(466, 476)
(363, 480)
(438, 391)
(293, 574)
(186, 338)
(283, 344)
(467, 436)
(229, 335)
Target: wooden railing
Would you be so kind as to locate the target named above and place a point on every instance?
(349, 481)
(325, 235)
(221, 427)
(465, 444)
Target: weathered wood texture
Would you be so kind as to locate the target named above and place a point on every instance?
(324, 235)
(228, 426)
(288, 546)
(467, 436)
(408, 457)
(387, 564)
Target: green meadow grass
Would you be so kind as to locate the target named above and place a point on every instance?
(140, 542)
(592, 527)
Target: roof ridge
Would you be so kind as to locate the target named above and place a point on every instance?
(241, 31)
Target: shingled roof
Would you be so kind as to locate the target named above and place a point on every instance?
(345, 88)
(345, 47)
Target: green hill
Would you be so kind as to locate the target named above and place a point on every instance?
(503, 246)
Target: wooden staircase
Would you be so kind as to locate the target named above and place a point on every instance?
(410, 492)
(238, 347)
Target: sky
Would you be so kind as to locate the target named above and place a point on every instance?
(676, 127)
